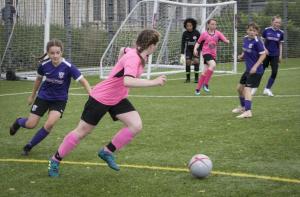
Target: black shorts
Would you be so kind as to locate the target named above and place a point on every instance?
(250, 80)
(208, 57)
(40, 106)
(273, 60)
(94, 110)
(189, 53)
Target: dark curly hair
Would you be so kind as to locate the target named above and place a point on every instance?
(192, 21)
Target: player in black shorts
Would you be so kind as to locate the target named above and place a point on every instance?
(189, 38)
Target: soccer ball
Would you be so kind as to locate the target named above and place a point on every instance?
(200, 166)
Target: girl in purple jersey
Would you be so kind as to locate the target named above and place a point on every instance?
(110, 96)
(254, 54)
(273, 38)
(52, 95)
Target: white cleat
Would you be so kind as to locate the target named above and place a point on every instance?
(246, 114)
(238, 110)
(268, 92)
(253, 91)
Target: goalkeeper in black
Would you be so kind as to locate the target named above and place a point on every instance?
(189, 38)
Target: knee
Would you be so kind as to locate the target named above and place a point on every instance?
(48, 127)
(136, 128)
(31, 124)
(188, 62)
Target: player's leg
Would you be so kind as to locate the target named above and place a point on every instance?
(188, 70)
(274, 67)
(38, 109)
(91, 115)
(196, 69)
(252, 81)
(125, 112)
(211, 67)
(188, 62)
(43, 132)
(201, 79)
(240, 90)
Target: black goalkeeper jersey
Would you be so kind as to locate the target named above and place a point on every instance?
(189, 40)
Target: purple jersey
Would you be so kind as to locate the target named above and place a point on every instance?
(272, 40)
(252, 49)
(58, 79)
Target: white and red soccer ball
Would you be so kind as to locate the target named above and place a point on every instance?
(200, 166)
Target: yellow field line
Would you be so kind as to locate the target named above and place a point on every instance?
(234, 174)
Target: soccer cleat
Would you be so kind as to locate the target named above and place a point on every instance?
(206, 89)
(195, 80)
(246, 114)
(53, 168)
(26, 149)
(253, 91)
(268, 92)
(109, 159)
(238, 110)
(14, 127)
(197, 92)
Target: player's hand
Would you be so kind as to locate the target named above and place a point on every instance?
(30, 100)
(182, 59)
(280, 59)
(267, 51)
(161, 80)
(240, 57)
(253, 70)
(196, 53)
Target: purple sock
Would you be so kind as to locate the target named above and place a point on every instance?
(38, 137)
(248, 105)
(270, 83)
(22, 122)
(242, 101)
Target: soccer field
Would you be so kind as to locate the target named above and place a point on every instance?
(251, 157)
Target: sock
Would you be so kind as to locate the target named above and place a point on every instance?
(242, 101)
(247, 105)
(196, 70)
(200, 82)
(122, 138)
(188, 71)
(38, 137)
(208, 74)
(70, 142)
(22, 122)
(270, 83)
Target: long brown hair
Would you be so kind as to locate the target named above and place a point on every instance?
(51, 43)
(146, 38)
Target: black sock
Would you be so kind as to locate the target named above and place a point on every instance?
(111, 147)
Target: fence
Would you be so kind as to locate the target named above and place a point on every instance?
(86, 27)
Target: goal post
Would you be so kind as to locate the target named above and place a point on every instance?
(167, 17)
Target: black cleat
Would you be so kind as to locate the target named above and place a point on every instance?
(26, 149)
(14, 127)
(187, 81)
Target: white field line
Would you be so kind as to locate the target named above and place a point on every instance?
(220, 75)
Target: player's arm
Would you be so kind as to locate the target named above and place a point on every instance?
(280, 51)
(241, 56)
(85, 84)
(224, 39)
(121, 52)
(261, 58)
(133, 82)
(35, 88)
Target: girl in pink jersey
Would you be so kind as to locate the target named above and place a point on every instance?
(110, 96)
(208, 41)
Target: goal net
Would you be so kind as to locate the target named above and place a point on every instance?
(167, 17)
